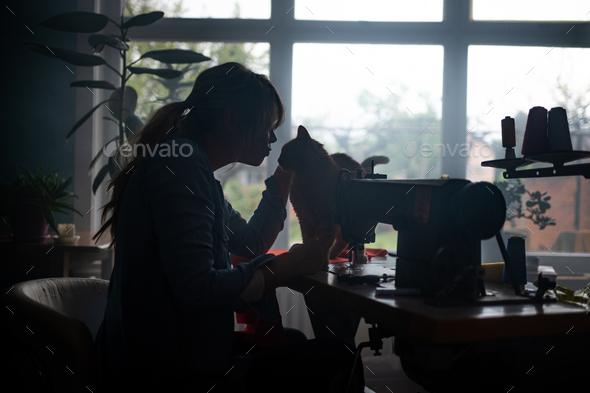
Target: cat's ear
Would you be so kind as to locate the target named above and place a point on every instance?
(302, 132)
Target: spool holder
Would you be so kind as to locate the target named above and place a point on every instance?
(556, 159)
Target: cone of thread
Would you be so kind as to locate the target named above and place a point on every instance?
(558, 131)
(535, 134)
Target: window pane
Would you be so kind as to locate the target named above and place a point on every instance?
(367, 100)
(545, 10)
(508, 81)
(370, 10)
(222, 9)
(242, 184)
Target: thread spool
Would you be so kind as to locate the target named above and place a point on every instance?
(517, 255)
(558, 131)
(535, 134)
(508, 136)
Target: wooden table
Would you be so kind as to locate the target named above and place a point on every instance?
(412, 316)
(440, 346)
(22, 262)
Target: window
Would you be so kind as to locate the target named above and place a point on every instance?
(370, 10)
(218, 9)
(508, 81)
(366, 100)
(376, 66)
(531, 10)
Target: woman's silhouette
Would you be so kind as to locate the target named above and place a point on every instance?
(169, 319)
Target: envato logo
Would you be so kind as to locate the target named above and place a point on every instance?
(166, 150)
(464, 150)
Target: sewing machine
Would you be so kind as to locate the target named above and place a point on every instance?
(440, 224)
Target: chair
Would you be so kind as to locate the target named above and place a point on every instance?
(51, 328)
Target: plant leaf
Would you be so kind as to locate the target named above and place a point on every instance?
(83, 119)
(161, 72)
(77, 22)
(98, 155)
(175, 56)
(129, 101)
(59, 205)
(111, 119)
(133, 125)
(69, 56)
(100, 177)
(143, 19)
(50, 219)
(113, 167)
(98, 41)
(94, 84)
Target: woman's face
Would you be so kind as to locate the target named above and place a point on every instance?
(258, 149)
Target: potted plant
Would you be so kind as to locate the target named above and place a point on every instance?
(28, 201)
(123, 100)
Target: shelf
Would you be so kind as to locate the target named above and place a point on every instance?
(557, 159)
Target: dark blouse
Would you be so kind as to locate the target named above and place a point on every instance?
(173, 292)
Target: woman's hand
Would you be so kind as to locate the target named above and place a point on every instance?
(301, 259)
(283, 180)
(310, 257)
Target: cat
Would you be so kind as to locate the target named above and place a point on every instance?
(313, 189)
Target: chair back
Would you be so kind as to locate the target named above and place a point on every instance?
(52, 325)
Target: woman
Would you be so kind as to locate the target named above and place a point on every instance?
(169, 318)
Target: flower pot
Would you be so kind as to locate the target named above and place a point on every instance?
(28, 223)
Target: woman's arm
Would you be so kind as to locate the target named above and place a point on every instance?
(255, 237)
(283, 180)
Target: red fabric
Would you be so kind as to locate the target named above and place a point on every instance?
(261, 332)
(342, 257)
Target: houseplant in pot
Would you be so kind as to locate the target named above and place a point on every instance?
(28, 201)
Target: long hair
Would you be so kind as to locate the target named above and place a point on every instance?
(231, 85)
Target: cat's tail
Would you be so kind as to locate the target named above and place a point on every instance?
(367, 163)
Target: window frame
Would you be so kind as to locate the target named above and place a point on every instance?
(456, 32)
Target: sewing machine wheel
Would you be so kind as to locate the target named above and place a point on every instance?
(448, 262)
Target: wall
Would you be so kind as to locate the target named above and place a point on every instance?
(38, 105)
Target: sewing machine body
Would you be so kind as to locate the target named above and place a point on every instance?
(440, 223)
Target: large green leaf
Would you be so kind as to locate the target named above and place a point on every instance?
(175, 56)
(62, 207)
(100, 177)
(94, 84)
(77, 22)
(129, 102)
(69, 56)
(113, 167)
(143, 19)
(83, 119)
(50, 219)
(161, 72)
(99, 154)
(98, 41)
(133, 125)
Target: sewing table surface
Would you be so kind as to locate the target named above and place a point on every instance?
(414, 317)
